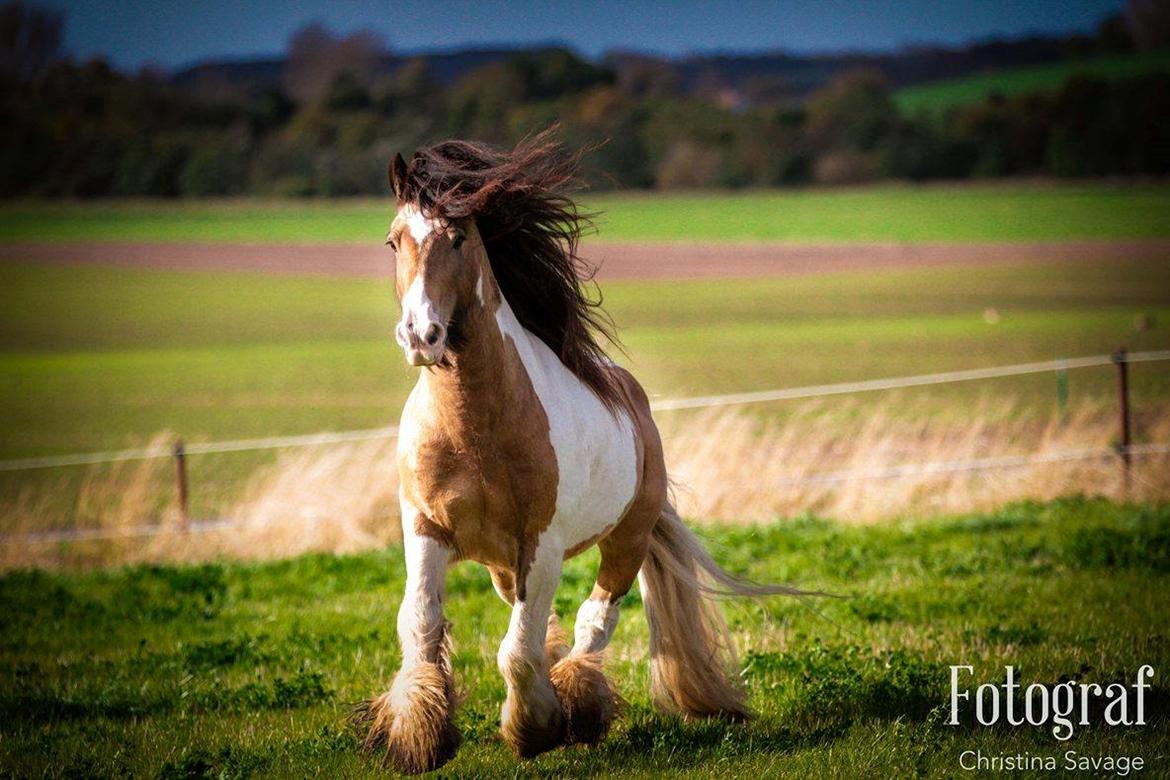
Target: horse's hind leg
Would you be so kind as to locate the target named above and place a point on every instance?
(588, 698)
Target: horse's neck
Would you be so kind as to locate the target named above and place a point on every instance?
(484, 385)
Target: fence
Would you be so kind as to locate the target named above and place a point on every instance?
(1125, 451)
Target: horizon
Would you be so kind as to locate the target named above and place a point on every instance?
(138, 34)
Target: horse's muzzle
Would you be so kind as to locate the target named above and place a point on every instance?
(423, 348)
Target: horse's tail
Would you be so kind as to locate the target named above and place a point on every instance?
(691, 653)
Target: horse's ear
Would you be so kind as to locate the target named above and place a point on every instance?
(397, 175)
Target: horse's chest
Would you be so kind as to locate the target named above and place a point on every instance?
(492, 499)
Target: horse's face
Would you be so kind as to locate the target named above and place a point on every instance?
(438, 274)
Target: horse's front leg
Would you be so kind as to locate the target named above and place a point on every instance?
(532, 720)
(413, 722)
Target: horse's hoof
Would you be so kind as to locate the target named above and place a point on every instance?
(531, 732)
(589, 702)
(411, 726)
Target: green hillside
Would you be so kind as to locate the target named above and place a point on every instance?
(938, 96)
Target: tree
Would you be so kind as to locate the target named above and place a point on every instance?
(30, 39)
(1149, 23)
(317, 59)
(854, 110)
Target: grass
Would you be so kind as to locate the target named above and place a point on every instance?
(1001, 212)
(728, 466)
(97, 358)
(242, 670)
(937, 96)
(105, 358)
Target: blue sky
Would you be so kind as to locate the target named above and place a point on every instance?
(134, 32)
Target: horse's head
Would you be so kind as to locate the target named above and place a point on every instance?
(439, 274)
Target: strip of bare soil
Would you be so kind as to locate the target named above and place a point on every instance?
(617, 261)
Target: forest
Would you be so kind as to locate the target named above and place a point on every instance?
(323, 119)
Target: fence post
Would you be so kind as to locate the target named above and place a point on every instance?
(181, 479)
(1062, 391)
(1120, 360)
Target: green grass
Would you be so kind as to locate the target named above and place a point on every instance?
(937, 96)
(1002, 212)
(95, 358)
(249, 670)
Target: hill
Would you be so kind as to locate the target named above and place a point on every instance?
(937, 96)
(745, 73)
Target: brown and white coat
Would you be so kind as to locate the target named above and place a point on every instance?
(509, 458)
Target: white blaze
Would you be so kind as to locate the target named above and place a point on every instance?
(418, 308)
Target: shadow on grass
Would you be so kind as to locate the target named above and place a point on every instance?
(303, 688)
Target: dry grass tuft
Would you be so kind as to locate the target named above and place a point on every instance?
(333, 498)
(731, 465)
(115, 499)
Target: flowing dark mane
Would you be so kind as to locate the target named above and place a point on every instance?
(530, 228)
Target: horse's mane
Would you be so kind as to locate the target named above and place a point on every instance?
(530, 228)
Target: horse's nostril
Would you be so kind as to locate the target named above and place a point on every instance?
(432, 334)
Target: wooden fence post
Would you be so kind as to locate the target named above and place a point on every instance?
(1120, 360)
(181, 479)
(1062, 392)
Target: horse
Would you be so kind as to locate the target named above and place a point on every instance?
(521, 445)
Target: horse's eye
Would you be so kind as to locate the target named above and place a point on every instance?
(460, 237)
(392, 243)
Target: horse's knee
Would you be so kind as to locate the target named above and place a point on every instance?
(511, 661)
(412, 725)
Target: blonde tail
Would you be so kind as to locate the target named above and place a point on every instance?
(691, 653)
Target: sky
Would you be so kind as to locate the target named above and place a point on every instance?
(172, 33)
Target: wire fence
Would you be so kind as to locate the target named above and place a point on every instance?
(975, 464)
(1125, 450)
(664, 405)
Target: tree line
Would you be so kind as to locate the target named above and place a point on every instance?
(327, 128)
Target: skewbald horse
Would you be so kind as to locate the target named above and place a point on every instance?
(520, 446)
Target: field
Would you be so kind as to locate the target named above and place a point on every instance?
(100, 358)
(130, 352)
(244, 667)
(133, 352)
(967, 212)
(242, 670)
(938, 96)
(95, 356)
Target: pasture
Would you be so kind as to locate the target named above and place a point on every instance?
(937, 96)
(881, 213)
(242, 670)
(102, 358)
(95, 357)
